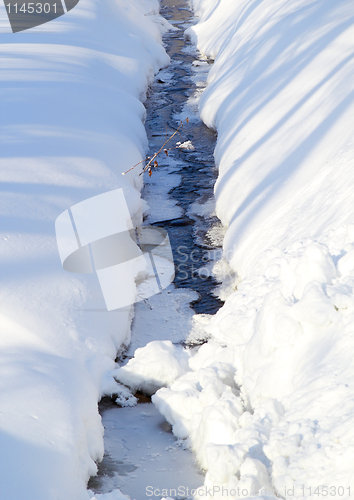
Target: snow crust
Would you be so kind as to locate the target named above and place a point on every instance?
(71, 123)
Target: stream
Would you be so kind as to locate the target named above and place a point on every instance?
(140, 449)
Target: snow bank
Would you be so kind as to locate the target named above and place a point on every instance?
(267, 403)
(71, 123)
(280, 96)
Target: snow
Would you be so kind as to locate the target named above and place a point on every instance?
(71, 123)
(267, 402)
(273, 387)
(281, 99)
(142, 455)
(112, 495)
(185, 145)
(140, 449)
(156, 365)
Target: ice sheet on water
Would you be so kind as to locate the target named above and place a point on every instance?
(157, 459)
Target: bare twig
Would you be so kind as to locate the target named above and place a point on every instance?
(152, 159)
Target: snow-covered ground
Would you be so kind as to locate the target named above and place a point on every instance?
(71, 123)
(267, 403)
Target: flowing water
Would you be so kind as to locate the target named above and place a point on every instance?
(140, 449)
(193, 169)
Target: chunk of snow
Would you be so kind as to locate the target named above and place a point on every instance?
(157, 364)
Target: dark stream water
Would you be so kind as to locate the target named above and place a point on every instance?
(139, 445)
(188, 232)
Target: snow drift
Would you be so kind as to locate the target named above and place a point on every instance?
(71, 123)
(267, 403)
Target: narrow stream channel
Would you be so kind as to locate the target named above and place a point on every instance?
(195, 169)
(140, 449)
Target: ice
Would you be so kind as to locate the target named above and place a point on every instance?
(143, 455)
(113, 495)
(185, 145)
